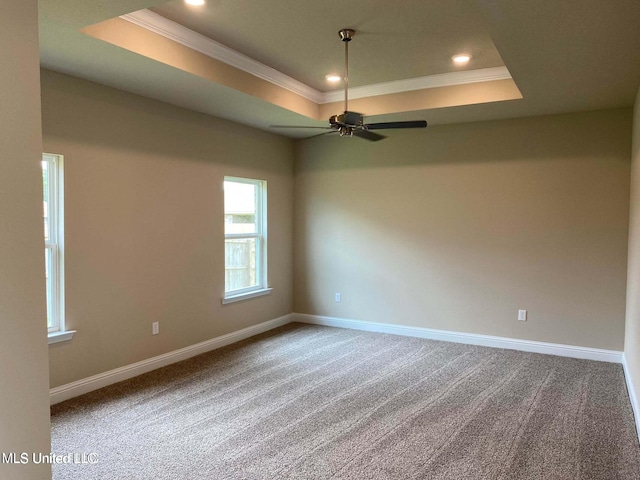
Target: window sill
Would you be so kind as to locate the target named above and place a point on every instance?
(246, 296)
(57, 337)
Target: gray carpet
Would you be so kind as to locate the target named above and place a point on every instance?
(310, 402)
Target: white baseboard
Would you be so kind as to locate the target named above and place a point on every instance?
(468, 338)
(632, 394)
(74, 389)
(70, 390)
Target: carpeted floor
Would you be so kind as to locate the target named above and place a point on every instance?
(310, 402)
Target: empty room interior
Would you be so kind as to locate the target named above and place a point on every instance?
(309, 240)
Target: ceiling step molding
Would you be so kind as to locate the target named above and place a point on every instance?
(421, 83)
(187, 37)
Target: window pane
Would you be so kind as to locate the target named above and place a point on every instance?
(48, 261)
(46, 196)
(240, 263)
(244, 225)
(52, 213)
(239, 207)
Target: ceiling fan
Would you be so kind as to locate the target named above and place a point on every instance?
(351, 124)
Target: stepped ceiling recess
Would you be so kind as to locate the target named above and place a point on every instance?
(265, 62)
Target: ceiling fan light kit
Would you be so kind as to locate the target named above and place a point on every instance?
(351, 124)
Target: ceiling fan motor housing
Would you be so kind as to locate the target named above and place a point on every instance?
(352, 119)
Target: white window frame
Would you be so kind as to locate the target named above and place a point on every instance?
(260, 237)
(54, 249)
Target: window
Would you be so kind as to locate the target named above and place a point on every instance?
(52, 182)
(245, 248)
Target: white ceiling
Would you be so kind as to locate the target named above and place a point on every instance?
(564, 55)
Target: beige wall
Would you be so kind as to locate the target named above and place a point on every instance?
(24, 403)
(144, 223)
(457, 227)
(632, 330)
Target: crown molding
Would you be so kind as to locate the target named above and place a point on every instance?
(187, 37)
(421, 83)
(200, 43)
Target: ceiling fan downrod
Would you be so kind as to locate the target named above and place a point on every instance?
(346, 34)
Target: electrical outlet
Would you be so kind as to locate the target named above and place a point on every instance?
(338, 297)
(155, 328)
(522, 315)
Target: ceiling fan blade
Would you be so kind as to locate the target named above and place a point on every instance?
(298, 126)
(321, 134)
(386, 125)
(367, 135)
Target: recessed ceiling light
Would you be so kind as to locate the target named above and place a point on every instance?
(333, 78)
(461, 58)
(195, 3)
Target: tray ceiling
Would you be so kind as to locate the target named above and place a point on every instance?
(529, 58)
